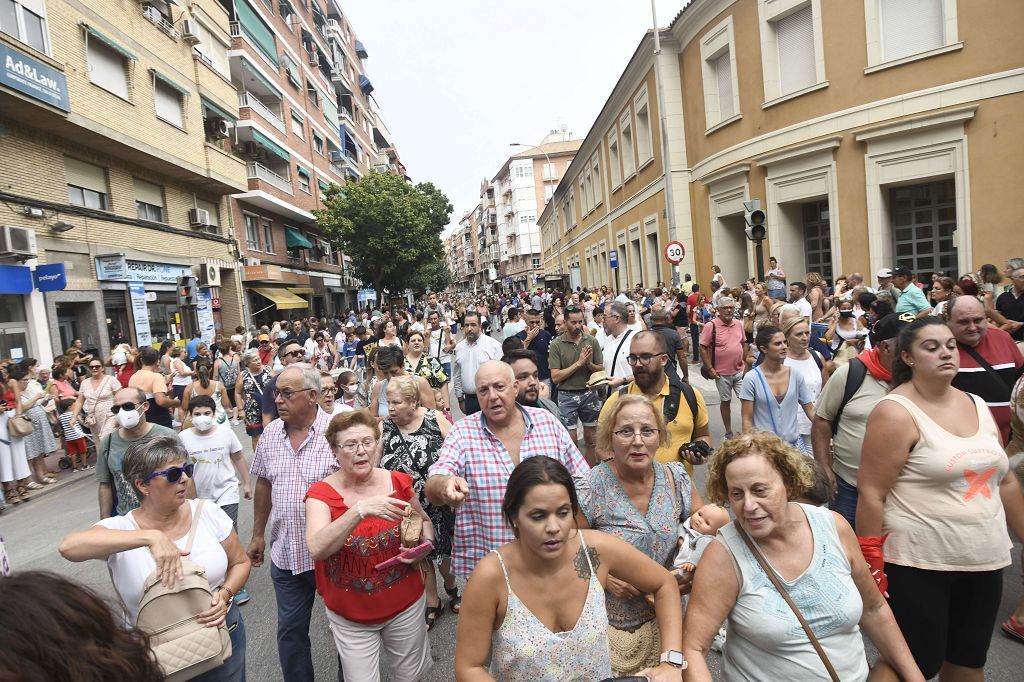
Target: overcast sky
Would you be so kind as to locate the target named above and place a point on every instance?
(458, 80)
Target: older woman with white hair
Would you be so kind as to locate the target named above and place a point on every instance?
(249, 388)
(151, 540)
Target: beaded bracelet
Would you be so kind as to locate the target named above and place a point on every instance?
(359, 508)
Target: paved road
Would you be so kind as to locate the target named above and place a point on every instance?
(34, 530)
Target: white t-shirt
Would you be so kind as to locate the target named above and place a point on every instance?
(804, 306)
(130, 569)
(809, 370)
(214, 474)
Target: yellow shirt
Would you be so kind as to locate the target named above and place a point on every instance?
(680, 429)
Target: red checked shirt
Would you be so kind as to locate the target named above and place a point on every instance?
(291, 473)
(473, 452)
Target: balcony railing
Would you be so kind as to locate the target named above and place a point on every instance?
(257, 171)
(247, 99)
(235, 29)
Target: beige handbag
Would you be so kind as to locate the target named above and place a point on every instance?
(19, 426)
(184, 647)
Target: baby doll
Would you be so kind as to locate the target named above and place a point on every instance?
(696, 533)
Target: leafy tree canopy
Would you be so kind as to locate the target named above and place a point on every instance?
(388, 227)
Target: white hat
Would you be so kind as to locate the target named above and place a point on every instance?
(883, 273)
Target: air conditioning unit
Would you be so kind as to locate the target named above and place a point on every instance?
(152, 13)
(314, 59)
(198, 217)
(17, 241)
(252, 262)
(217, 128)
(209, 275)
(190, 31)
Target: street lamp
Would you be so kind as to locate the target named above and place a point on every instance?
(544, 179)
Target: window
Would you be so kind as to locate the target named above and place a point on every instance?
(626, 135)
(291, 69)
(314, 97)
(213, 209)
(817, 238)
(613, 158)
(794, 58)
(211, 50)
(898, 29)
(923, 226)
(524, 171)
(298, 125)
(107, 67)
(572, 209)
(304, 181)
(252, 233)
(536, 263)
(644, 146)
(87, 184)
(167, 100)
(25, 20)
(721, 93)
(550, 173)
(598, 192)
(318, 144)
(584, 207)
(268, 236)
(149, 201)
(549, 192)
(567, 212)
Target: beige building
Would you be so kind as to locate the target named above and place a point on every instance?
(463, 254)
(872, 136)
(112, 187)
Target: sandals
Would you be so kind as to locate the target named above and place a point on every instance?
(1014, 628)
(455, 600)
(432, 614)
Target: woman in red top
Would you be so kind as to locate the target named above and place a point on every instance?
(352, 525)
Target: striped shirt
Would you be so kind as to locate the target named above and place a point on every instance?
(998, 350)
(71, 432)
(473, 452)
(291, 473)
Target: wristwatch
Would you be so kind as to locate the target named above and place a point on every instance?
(673, 658)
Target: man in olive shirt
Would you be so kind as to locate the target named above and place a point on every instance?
(572, 357)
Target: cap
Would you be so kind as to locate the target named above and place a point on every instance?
(889, 327)
(884, 272)
(902, 271)
(349, 325)
(264, 337)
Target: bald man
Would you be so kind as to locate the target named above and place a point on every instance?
(479, 454)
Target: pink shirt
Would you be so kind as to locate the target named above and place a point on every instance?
(729, 341)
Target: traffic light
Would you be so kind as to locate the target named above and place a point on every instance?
(187, 292)
(756, 229)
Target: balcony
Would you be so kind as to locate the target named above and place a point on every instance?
(154, 17)
(257, 171)
(495, 252)
(491, 219)
(247, 99)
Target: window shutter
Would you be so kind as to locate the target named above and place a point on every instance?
(210, 207)
(910, 26)
(723, 74)
(106, 68)
(794, 34)
(148, 193)
(86, 175)
(167, 102)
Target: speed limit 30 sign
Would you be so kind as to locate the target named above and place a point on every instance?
(675, 252)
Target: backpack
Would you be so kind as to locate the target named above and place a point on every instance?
(670, 405)
(183, 647)
(858, 370)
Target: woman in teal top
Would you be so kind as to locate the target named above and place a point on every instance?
(772, 392)
(639, 500)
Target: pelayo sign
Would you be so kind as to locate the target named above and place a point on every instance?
(33, 78)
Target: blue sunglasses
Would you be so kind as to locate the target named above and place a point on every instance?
(174, 473)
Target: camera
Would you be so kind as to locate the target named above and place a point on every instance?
(698, 448)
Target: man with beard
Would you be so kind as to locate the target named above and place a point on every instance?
(573, 357)
(685, 412)
(524, 365)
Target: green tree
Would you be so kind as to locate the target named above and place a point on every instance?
(434, 275)
(388, 227)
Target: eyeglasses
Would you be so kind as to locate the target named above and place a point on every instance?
(300, 353)
(131, 407)
(173, 474)
(287, 393)
(95, 366)
(643, 358)
(353, 446)
(264, 343)
(630, 434)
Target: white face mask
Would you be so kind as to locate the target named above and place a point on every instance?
(349, 389)
(203, 422)
(128, 419)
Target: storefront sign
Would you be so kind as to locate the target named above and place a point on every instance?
(140, 313)
(117, 268)
(262, 273)
(15, 279)
(50, 277)
(215, 302)
(366, 296)
(204, 313)
(33, 78)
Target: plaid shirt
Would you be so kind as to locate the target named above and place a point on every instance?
(473, 452)
(291, 473)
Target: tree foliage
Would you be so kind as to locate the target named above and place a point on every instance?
(435, 276)
(388, 227)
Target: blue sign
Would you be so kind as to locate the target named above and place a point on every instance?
(33, 78)
(15, 279)
(366, 296)
(613, 259)
(117, 268)
(50, 277)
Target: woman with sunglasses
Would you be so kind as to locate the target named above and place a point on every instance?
(96, 398)
(150, 541)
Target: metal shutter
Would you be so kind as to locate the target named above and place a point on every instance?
(794, 35)
(910, 26)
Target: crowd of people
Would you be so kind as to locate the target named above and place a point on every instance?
(868, 489)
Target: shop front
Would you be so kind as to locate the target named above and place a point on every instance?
(22, 309)
(140, 299)
(276, 294)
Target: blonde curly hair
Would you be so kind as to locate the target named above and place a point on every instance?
(788, 461)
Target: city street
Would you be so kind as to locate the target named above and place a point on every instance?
(33, 531)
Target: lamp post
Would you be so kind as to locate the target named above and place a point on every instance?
(547, 160)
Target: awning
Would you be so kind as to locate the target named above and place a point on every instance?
(259, 32)
(270, 144)
(108, 41)
(323, 185)
(252, 71)
(170, 83)
(301, 290)
(361, 50)
(294, 239)
(218, 110)
(365, 85)
(282, 298)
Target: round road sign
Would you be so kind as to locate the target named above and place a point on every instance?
(675, 252)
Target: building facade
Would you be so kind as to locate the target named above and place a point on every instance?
(873, 135)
